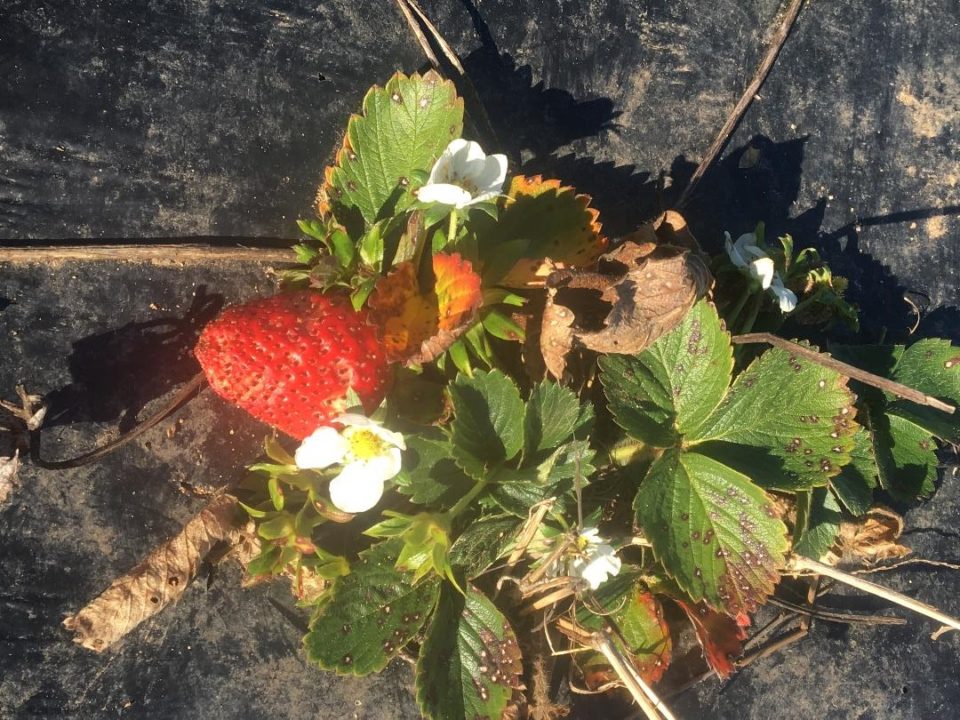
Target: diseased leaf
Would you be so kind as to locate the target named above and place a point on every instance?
(720, 636)
(482, 542)
(640, 626)
(933, 367)
(488, 425)
(404, 128)
(553, 415)
(797, 417)
(716, 533)
(640, 293)
(470, 664)
(822, 525)
(159, 580)
(670, 389)
(431, 476)
(417, 325)
(371, 614)
(540, 219)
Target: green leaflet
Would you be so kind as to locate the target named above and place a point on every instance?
(712, 529)
(431, 476)
(371, 615)
(482, 542)
(553, 415)
(670, 389)
(796, 414)
(488, 427)
(856, 481)
(404, 128)
(470, 663)
(822, 525)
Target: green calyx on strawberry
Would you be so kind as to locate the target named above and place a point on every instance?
(290, 360)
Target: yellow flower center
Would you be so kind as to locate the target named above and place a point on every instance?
(365, 444)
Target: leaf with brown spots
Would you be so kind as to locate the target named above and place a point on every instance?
(715, 532)
(157, 581)
(638, 293)
(403, 129)
(542, 222)
(417, 325)
(720, 636)
(470, 664)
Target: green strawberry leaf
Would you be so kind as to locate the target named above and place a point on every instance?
(482, 543)
(669, 390)
(517, 490)
(932, 367)
(404, 128)
(553, 415)
(796, 415)
(371, 614)
(715, 532)
(487, 429)
(431, 476)
(855, 484)
(470, 664)
(906, 457)
(822, 524)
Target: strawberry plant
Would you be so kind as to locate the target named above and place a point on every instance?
(501, 437)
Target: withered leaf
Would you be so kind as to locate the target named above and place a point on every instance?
(720, 636)
(638, 292)
(870, 539)
(159, 580)
(9, 467)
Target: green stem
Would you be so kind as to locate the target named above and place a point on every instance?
(465, 501)
(452, 231)
(752, 317)
(738, 308)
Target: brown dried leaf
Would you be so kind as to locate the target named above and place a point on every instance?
(159, 580)
(639, 292)
(870, 539)
(9, 467)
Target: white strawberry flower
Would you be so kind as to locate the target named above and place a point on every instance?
(747, 255)
(464, 175)
(368, 453)
(595, 561)
(785, 296)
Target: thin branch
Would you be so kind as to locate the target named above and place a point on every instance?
(843, 368)
(409, 8)
(194, 386)
(834, 616)
(418, 33)
(157, 254)
(800, 563)
(736, 115)
(902, 563)
(779, 644)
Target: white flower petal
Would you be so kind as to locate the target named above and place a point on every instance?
(734, 252)
(355, 420)
(492, 175)
(323, 448)
(591, 535)
(356, 489)
(762, 269)
(443, 169)
(785, 296)
(388, 436)
(445, 194)
(601, 562)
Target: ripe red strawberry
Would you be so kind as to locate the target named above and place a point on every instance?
(290, 359)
